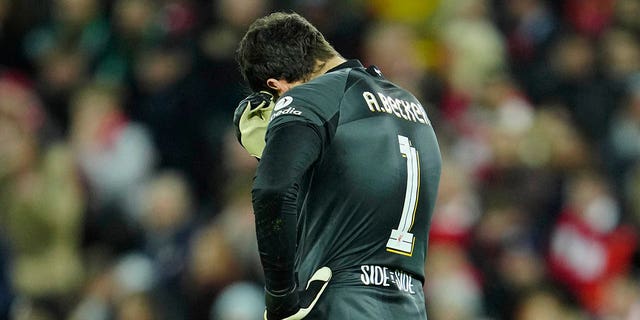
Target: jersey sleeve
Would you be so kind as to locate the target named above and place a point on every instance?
(274, 197)
(316, 103)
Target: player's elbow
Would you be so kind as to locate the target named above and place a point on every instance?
(259, 194)
(268, 194)
(273, 196)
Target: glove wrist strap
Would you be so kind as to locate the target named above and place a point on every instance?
(282, 304)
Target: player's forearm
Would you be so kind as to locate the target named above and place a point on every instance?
(275, 216)
(289, 153)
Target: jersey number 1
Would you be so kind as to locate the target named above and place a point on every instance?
(401, 240)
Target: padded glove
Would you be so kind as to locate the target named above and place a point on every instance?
(251, 119)
(297, 304)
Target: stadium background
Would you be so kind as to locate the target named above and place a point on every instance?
(124, 195)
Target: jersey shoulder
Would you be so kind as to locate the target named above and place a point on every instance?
(316, 101)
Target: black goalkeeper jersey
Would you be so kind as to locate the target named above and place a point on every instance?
(365, 195)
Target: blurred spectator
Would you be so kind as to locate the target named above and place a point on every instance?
(134, 23)
(574, 58)
(343, 23)
(457, 207)
(529, 27)
(383, 42)
(475, 48)
(212, 266)
(23, 121)
(624, 136)
(218, 43)
(491, 133)
(119, 291)
(521, 267)
(621, 55)
(136, 307)
(508, 118)
(621, 295)
(241, 167)
(631, 192)
(16, 18)
(99, 289)
(74, 24)
(236, 218)
(225, 250)
(160, 67)
(25, 310)
(139, 26)
(132, 274)
(60, 72)
(167, 221)
(64, 48)
(555, 143)
(546, 303)
(115, 156)
(589, 17)
(219, 84)
(589, 244)
(134, 27)
(574, 81)
(453, 291)
(239, 301)
(626, 12)
(232, 17)
(186, 117)
(501, 240)
(6, 290)
(44, 226)
(41, 203)
(237, 224)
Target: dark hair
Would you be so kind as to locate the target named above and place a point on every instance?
(281, 46)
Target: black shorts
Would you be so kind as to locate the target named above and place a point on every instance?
(382, 300)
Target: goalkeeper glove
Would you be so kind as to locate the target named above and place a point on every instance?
(297, 305)
(251, 119)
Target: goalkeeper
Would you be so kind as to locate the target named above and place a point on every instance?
(347, 179)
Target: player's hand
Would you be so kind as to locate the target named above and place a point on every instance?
(251, 119)
(297, 304)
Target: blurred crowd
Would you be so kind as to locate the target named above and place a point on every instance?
(124, 194)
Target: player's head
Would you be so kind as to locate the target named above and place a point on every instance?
(281, 46)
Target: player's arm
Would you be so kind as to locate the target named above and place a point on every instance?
(290, 151)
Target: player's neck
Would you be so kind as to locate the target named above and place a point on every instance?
(281, 86)
(325, 66)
